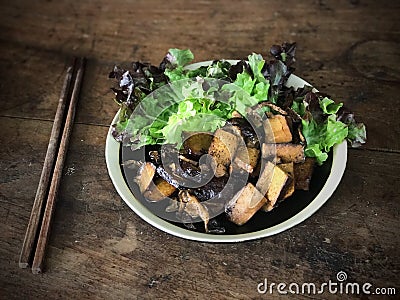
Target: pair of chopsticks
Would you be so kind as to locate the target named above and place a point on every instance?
(38, 230)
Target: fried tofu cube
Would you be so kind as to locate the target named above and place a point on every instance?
(289, 188)
(283, 153)
(265, 178)
(246, 159)
(271, 182)
(223, 148)
(244, 204)
(277, 130)
(278, 181)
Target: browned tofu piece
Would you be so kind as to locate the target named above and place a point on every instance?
(236, 114)
(271, 182)
(197, 143)
(244, 204)
(223, 148)
(278, 181)
(246, 159)
(283, 153)
(265, 178)
(268, 151)
(159, 190)
(288, 190)
(277, 130)
(267, 206)
(145, 176)
(303, 173)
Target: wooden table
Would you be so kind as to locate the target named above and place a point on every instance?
(98, 247)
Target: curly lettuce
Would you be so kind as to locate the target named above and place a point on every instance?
(321, 126)
(190, 104)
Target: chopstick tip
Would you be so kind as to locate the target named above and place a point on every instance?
(36, 270)
(23, 265)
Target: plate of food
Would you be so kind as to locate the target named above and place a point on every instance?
(226, 150)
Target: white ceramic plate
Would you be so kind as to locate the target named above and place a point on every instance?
(281, 218)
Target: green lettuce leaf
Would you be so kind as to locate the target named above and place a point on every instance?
(260, 91)
(299, 108)
(256, 63)
(195, 114)
(255, 86)
(325, 124)
(245, 81)
(180, 58)
(329, 106)
(176, 60)
(335, 133)
(175, 74)
(323, 136)
(314, 150)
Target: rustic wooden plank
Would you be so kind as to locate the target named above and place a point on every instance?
(121, 29)
(33, 90)
(100, 249)
(31, 81)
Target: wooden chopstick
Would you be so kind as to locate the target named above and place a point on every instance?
(37, 265)
(35, 241)
(41, 193)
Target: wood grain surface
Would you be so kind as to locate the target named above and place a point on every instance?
(99, 249)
